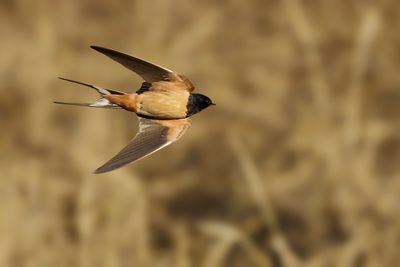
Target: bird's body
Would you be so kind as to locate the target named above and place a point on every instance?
(160, 103)
(163, 104)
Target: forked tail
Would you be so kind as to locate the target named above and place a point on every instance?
(100, 103)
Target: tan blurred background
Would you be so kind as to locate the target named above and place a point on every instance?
(297, 165)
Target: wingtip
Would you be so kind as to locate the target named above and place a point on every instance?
(97, 171)
(100, 170)
(98, 48)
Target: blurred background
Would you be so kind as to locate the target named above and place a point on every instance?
(297, 165)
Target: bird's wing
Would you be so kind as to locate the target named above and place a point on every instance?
(152, 136)
(148, 71)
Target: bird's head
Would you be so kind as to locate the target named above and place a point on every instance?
(198, 102)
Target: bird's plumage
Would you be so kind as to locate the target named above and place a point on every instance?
(148, 71)
(163, 103)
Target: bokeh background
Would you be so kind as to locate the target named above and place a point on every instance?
(297, 165)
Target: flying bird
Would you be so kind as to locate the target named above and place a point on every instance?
(163, 103)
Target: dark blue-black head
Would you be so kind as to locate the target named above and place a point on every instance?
(196, 103)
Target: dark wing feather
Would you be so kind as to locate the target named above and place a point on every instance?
(148, 71)
(144, 88)
(152, 136)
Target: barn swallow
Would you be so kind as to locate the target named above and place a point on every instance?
(163, 104)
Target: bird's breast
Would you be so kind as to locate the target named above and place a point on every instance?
(169, 104)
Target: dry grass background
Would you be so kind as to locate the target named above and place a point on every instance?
(297, 165)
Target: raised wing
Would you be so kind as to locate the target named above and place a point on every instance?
(148, 71)
(152, 136)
